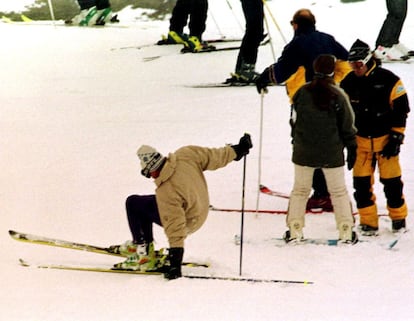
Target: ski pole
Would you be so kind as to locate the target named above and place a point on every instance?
(270, 37)
(242, 216)
(259, 174)
(274, 21)
(235, 17)
(52, 14)
(215, 22)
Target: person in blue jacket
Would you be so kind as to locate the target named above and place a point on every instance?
(298, 57)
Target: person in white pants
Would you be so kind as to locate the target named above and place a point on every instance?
(322, 126)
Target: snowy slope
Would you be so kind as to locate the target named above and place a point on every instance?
(75, 107)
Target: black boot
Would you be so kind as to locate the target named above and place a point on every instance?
(175, 258)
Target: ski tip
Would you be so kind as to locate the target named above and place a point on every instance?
(13, 233)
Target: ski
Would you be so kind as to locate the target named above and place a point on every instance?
(221, 85)
(85, 268)
(161, 43)
(36, 239)
(213, 48)
(407, 59)
(208, 49)
(236, 210)
(280, 242)
(184, 51)
(266, 190)
(220, 209)
(82, 268)
(244, 279)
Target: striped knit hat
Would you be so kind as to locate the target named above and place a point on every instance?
(150, 159)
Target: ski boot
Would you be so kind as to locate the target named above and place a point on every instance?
(194, 45)
(144, 259)
(104, 16)
(125, 249)
(368, 230)
(90, 17)
(346, 234)
(173, 38)
(399, 226)
(295, 233)
(244, 75)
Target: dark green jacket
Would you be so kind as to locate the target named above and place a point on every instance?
(319, 136)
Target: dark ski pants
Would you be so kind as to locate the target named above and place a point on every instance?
(100, 4)
(389, 34)
(142, 212)
(319, 184)
(196, 10)
(253, 13)
(86, 4)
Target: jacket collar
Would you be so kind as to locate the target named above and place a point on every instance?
(168, 169)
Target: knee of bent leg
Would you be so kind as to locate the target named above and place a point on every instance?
(363, 191)
(131, 201)
(393, 190)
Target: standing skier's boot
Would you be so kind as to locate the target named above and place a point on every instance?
(245, 74)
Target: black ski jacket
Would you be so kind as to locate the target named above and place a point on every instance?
(379, 101)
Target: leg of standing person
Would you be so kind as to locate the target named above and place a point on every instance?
(180, 15)
(86, 6)
(335, 179)
(104, 13)
(388, 41)
(178, 21)
(390, 177)
(198, 17)
(320, 198)
(363, 177)
(197, 26)
(247, 56)
(295, 219)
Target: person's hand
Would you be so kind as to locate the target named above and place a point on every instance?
(263, 81)
(351, 156)
(243, 147)
(392, 148)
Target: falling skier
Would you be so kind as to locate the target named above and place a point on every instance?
(180, 204)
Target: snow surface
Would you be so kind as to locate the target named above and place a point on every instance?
(75, 107)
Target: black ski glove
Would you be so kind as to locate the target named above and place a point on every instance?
(351, 156)
(262, 81)
(392, 148)
(175, 258)
(243, 147)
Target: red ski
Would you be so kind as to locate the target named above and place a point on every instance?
(268, 191)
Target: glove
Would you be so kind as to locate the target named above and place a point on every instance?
(392, 148)
(175, 258)
(351, 156)
(262, 81)
(243, 147)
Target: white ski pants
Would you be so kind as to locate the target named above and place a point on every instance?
(335, 180)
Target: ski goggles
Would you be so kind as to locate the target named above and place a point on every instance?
(358, 64)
